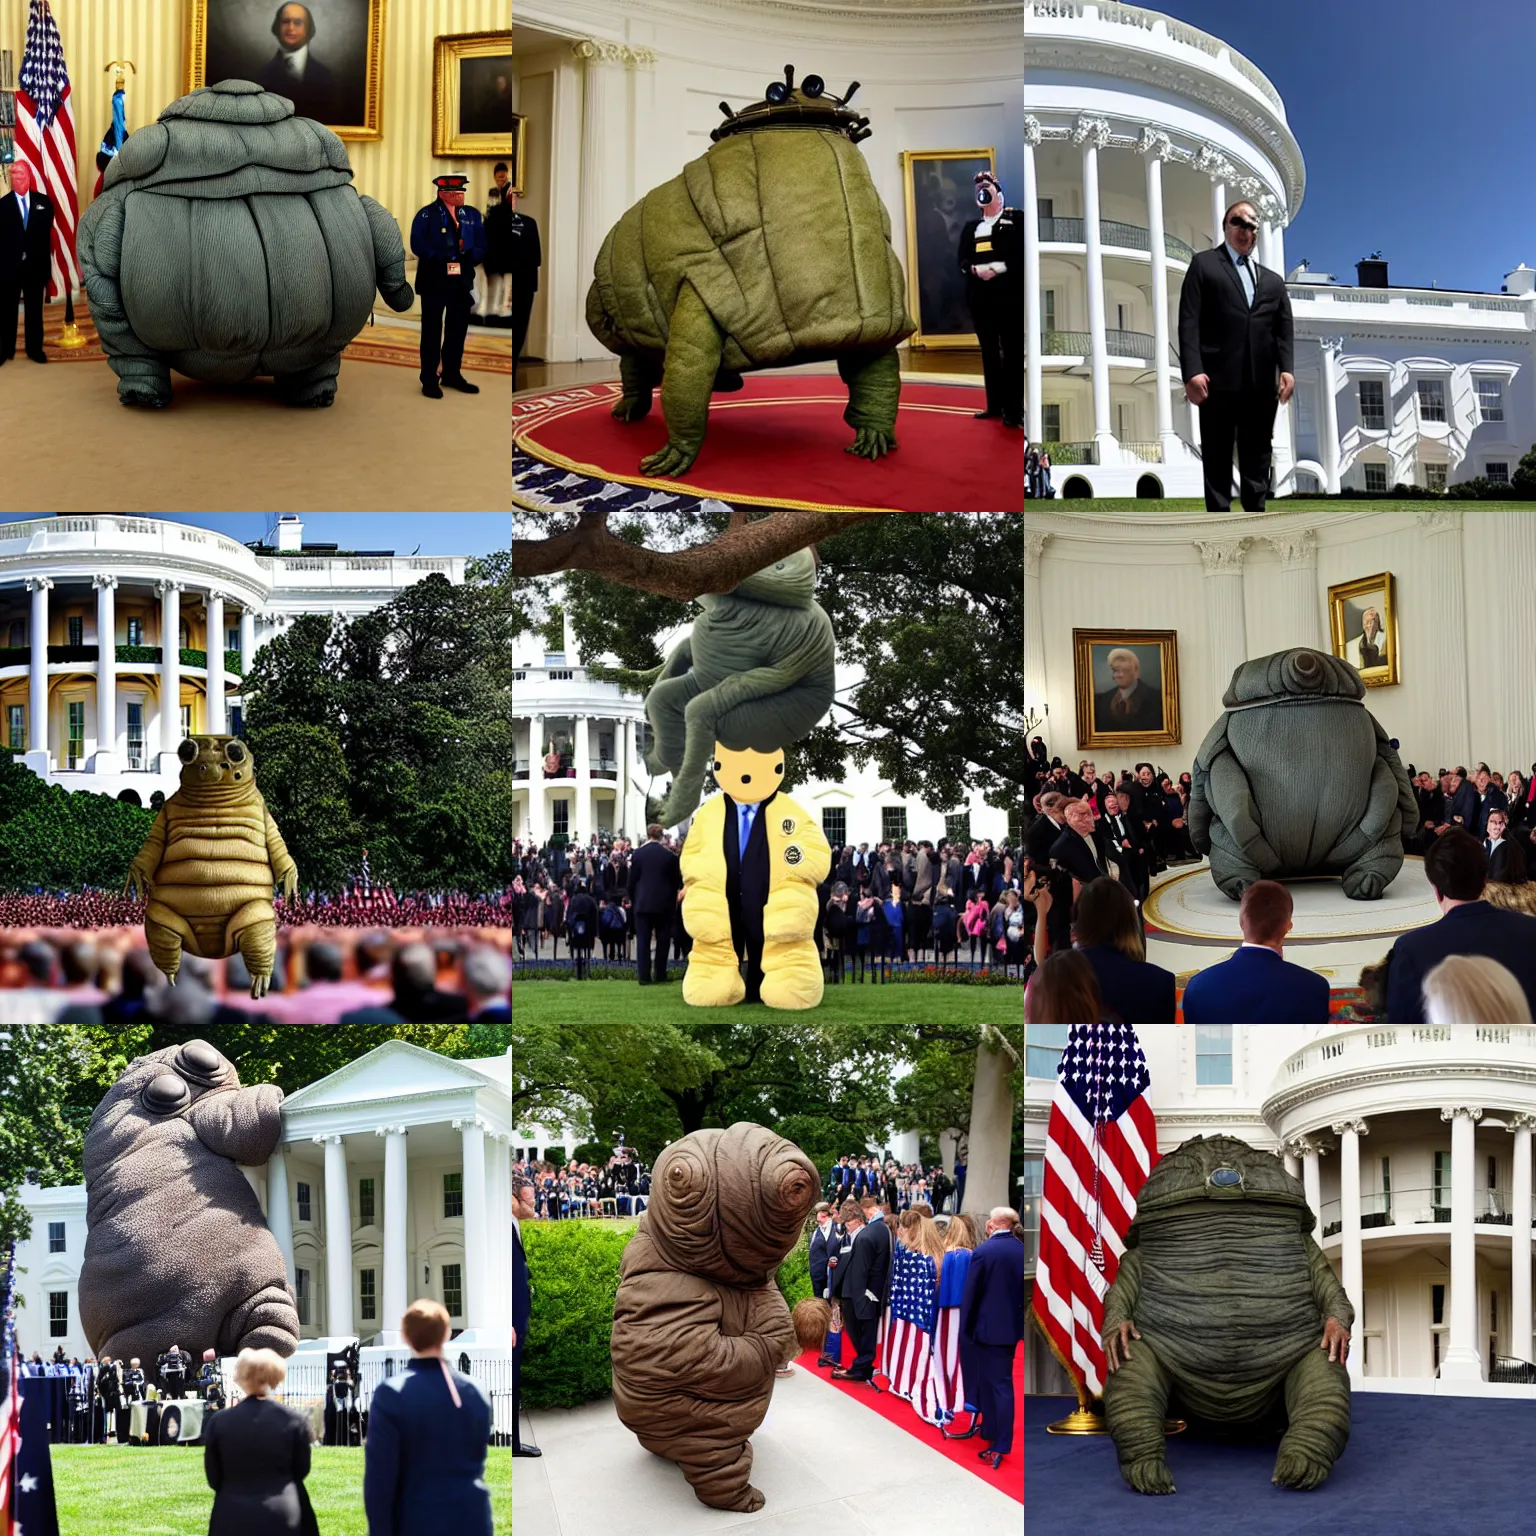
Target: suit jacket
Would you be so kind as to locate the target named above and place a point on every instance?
(868, 1269)
(314, 96)
(1464, 804)
(1133, 990)
(1004, 244)
(818, 1259)
(1220, 336)
(526, 253)
(1501, 861)
(655, 878)
(1144, 711)
(1125, 827)
(425, 1459)
(746, 873)
(26, 256)
(1474, 928)
(1256, 986)
(992, 1304)
(522, 1297)
(1070, 851)
(1494, 800)
(256, 1457)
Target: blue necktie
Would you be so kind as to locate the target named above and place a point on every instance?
(746, 827)
(21, 203)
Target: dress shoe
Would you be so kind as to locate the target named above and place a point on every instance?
(461, 384)
(37, 357)
(526, 1450)
(432, 390)
(985, 415)
(827, 1360)
(842, 1375)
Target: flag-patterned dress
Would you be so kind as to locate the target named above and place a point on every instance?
(906, 1346)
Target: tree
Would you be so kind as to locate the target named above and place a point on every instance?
(62, 839)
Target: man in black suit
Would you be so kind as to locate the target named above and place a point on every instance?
(26, 261)
(523, 1197)
(1083, 849)
(1506, 864)
(527, 258)
(655, 879)
(1461, 808)
(293, 71)
(822, 1239)
(1123, 833)
(1130, 705)
(1490, 798)
(992, 262)
(861, 1288)
(1431, 800)
(1234, 335)
(1038, 843)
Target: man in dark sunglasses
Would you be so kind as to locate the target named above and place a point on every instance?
(1235, 341)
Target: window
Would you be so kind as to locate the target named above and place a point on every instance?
(1441, 1193)
(453, 1194)
(136, 736)
(365, 1202)
(893, 823)
(367, 1300)
(1034, 1185)
(562, 817)
(1122, 419)
(1120, 321)
(75, 627)
(135, 631)
(16, 728)
(453, 1289)
(1490, 400)
(55, 1237)
(1043, 1045)
(1048, 311)
(834, 824)
(1493, 1172)
(58, 1314)
(1373, 405)
(1386, 1191)
(232, 638)
(1375, 477)
(958, 828)
(76, 731)
(1431, 399)
(18, 632)
(301, 1290)
(1434, 476)
(561, 674)
(1050, 423)
(186, 720)
(1498, 473)
(303, 1197)
(1213, 1053)
(181, 635)
(236, 720)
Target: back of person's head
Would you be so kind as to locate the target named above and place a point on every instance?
(374, 949)
(654, 831)
(1264, 912)
(1052, 801)
(1472, 989)
(185, 1003)
(36, 955)
(1106, 914)
(322, 961)
(258, 1371)
(1065, 991)
(1456, 866)
(414, 969)
(80, 963)
(139, 972)
(849, 1211)
(959, 1233)
(425, 1325)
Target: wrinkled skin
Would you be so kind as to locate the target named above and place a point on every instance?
(177, 1248)
(699, 1326)
(1257, 819)
(1225, 1310)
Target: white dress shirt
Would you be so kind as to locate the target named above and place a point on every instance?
(1245, 270)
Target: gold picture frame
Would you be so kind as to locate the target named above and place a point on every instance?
(359, 90)
(519, 150)
(452, 136)
(1375, 658)
(938, 208)
(1152, 703)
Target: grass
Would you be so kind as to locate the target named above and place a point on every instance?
(1321, 506)
(110, 1490)
(620, 1002)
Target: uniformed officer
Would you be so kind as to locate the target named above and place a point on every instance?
(527, 258)
(448, 241)
(133, 1382)
(992, 259)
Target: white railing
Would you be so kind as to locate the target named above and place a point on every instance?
(1375, 1046)
(169, 534)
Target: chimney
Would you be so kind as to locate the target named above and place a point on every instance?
(290, 532)
(1521, 280)
(1371, 272)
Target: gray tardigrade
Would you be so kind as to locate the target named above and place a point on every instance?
(1260, 807)
(177, 1249)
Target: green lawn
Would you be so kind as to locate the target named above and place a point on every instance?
(113, 1490)
(618, 1002)
(1322, 507)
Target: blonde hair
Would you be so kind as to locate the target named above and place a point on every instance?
(425, 1325)
(258, 1371)
(1119, 652)
(959, 1233)
(1472, 989)
(928, 1239)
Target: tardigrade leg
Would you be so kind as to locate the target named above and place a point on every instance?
(874, 392)
(1375, 849)
(313, 388)
(267, 1320)
(722, 1477)
(713, 978)
(693, 358)
(1240, 853)
(257, 943)
(665, 707)
(792, 976)
(640, 376)
(142, 381)
(166, 933)
(1317, 1405)
(1135, 1404)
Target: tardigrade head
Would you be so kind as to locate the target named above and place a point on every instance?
(729, 1205)
(787, 583)
(785, 105)
(1208, 1172)
(208, 762)
(1300, 673)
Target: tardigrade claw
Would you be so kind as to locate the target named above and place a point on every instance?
(1150, 1475)
(671, 460)
(170, 980)
(871, 443)
(632, 407)
(1294, 1470)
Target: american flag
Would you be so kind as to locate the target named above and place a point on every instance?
(27, 1505)
(907, 1357)
(1100, 1145)
(949, 1383)
(45, 138)
(10, 1401)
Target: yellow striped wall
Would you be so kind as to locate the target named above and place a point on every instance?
(397, 171)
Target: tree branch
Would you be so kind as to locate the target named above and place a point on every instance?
(717, 566)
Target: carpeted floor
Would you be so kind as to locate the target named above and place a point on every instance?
(1414, 1466)
(780, 441)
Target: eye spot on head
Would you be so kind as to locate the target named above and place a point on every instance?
(778, 767)
(717, 765)
(746, 778)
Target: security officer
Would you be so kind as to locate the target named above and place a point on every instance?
(448, 241)
(527, 258)
(992, 259)
(210, 1382)
(133, 1382)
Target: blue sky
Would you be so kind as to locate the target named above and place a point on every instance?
(438, 533)
(1416, 120)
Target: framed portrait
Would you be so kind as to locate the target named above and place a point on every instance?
(940, 195)
(1127, 687)
(472, 98)
(1363, 618)
(325, 56)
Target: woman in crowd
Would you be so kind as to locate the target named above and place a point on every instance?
(1064, 991)
(896, 925)
(1472, 989)
(1515, 792)
(1109, 934)
(1172, 823)
(949, 1376)
(944, 923)
(974, 923)
(256, 1456)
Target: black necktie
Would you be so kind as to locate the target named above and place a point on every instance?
(1242, 260)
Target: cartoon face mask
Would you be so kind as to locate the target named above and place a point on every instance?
(748, 777)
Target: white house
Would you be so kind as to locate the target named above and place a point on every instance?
(403, 1150)
(1139, 131)
(1413, 1143)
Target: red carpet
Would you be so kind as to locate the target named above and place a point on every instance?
(1008, 1478)
(780, 440)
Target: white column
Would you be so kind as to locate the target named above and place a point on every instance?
(107, 759)
(1226, 626)
(279, 1210)
(1033, 408)
(1277, 244)
(536, 822)
(1463, 1360)
(37, 675)
(1283, 440)
(604, 140)
(1312, 1182)
(475, 1234)
(1330, 424)
(629, 796)
(1093, 133)
(1157, 147)
(1266, 246)
(1520, 1240)
(1298, 581)
(1034, 644)
(170, 669)
(1218, 210)
(247, 644)
(396, 1273)
(215, 644)
(338, 1239)
(1292, 1162)
(583, 763)
(1352, 1267)
(1446, 661)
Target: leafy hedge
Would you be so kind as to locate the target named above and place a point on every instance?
(149, 653)
(59, 838)
(928, 975)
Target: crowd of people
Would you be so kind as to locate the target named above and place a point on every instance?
(1037, 471)
(1095, 841)
(619, 1187)
(900, 1186)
